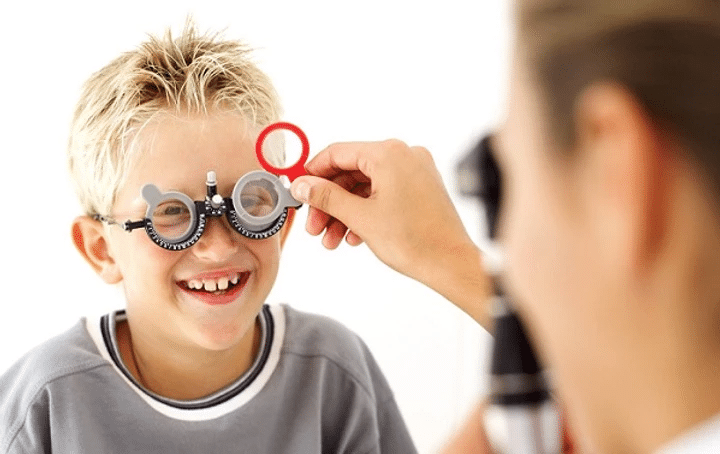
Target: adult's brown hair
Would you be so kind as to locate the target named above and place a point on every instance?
(666, 53)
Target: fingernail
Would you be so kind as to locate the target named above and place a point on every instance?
(301, 191)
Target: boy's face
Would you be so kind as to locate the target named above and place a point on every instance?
(177, 153)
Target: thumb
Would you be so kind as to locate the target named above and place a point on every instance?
(328, 197)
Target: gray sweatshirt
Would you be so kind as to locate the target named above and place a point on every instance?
(313, 388)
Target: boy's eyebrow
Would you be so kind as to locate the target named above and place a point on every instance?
(138, 204)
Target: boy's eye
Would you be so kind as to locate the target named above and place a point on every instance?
(171, 219)
(258, 204)
(171, 212)
(258, 201)
(250, 200)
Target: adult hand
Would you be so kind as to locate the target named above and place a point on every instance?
(392, 197)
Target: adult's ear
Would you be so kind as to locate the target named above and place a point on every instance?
(89, 238)
(623, 154)
(285, 230)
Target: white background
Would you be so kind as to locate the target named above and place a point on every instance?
(429, 73)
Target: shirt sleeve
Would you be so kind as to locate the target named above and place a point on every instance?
(359, 412)
(375, 418)
(394, 436)
(334, 367)
(24, 417)
(29, 422)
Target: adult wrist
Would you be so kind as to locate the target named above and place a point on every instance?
(458, 274)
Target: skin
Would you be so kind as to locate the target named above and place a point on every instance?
(471, 437)
(611, 254)
(174, 344)
(638, 320)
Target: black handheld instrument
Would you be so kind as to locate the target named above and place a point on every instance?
(520, 418)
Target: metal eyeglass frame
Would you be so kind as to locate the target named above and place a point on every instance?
(214, 205)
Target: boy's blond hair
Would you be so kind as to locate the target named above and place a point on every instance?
(192, 73)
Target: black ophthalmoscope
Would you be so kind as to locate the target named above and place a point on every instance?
(520, 418)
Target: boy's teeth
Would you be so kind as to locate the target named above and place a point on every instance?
(212, 285)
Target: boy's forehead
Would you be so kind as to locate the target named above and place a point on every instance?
(197, 132)
(175, 152)
(223, 141)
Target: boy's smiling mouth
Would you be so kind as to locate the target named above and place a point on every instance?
(216, 288)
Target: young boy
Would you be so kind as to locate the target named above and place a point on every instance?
(196, 362)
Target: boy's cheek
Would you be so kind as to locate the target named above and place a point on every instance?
(285, 230)
(140, 255)
(268, 253)
(271, 251)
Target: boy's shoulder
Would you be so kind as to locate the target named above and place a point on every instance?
(64, 355)
(319, 337)
(325, 362)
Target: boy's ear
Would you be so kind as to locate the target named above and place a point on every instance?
(89, 239)
(285, 230)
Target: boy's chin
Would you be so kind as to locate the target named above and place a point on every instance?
(226, 336)
(228, 323)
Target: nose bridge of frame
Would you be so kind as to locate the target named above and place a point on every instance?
(218, 228)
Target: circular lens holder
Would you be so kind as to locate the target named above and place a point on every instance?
(154, 197)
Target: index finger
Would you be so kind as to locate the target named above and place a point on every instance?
(344, 157)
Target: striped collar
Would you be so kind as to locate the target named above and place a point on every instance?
(272, 322)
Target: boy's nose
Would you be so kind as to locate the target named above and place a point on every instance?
(218, 241)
